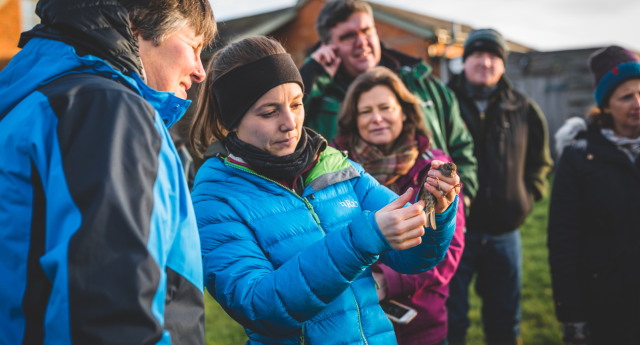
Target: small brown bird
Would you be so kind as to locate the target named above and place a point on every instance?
(430, 200)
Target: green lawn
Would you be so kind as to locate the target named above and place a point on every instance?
(539, 325)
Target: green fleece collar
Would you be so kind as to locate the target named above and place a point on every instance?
(332, 167)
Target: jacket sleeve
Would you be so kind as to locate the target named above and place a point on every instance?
(373, 196)
(538, 160)
(455, 136)
(105, 279)
(460, 147)
(315, 78)
(565, 222)
(409, 284)
(277, 301)
(310, 72)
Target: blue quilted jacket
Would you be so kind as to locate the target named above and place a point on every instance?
(295, 269)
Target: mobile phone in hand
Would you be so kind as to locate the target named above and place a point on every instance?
(398, 313)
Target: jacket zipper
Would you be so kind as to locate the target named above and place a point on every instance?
(306, 202)
(482, 134)
(359, 319)
(315, 217)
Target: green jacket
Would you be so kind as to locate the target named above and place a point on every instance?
(512, 148)
(439, 108)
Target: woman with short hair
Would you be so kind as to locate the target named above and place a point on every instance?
(99, 243)
(289, 226)
(594, 217)
(381, 127)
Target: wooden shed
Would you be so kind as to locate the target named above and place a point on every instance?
(558, 81)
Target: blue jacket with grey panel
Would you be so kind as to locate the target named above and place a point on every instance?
(98, 243)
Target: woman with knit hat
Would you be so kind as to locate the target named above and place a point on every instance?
(289, 226)
(594, 218)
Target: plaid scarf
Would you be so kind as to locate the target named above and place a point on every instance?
(387, 169)
(631, 147)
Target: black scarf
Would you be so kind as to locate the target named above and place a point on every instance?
(286, 167)
(480, 93)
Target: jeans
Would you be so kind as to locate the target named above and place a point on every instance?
(497, 259)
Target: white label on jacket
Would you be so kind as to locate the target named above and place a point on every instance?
(349, 203)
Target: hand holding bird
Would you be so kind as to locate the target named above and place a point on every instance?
(439, 189)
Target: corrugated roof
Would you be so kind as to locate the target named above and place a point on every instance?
(230, 31)
(265, 23)
(418, 24)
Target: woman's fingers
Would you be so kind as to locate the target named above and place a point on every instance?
(404, 225)
(445, 190)
(409, 211)
(409, 244)
(414, 222)
(451, 180)
(435, 164)
(444, 186)
(411, 234)
(445, 195)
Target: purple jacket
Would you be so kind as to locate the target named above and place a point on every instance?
(426, 292)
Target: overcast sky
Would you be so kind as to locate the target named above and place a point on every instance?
(540, 24)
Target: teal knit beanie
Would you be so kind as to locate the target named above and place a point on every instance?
(610, 67)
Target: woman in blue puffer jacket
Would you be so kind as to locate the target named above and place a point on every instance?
(289, 226)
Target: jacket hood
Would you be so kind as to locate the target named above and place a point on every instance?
(50, 52)
(572, 133)
(93, 27)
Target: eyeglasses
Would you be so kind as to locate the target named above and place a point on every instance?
(350, 37)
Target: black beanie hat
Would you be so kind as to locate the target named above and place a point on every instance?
(610, 67)
(485, 40)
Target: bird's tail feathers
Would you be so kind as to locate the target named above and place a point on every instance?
(431, 219)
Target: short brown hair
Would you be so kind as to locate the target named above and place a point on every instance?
(338, 11)
(154, 20)
(348, 117)
(596, 115)
(207, 125)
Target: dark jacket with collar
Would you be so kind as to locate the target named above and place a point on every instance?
(511, 145)
(594, 233)
(99, 238)
(439, 107)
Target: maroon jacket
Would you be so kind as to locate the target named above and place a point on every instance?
(426, 292)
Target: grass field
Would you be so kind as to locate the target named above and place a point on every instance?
(539, 325)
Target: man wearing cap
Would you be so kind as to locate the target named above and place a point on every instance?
(351, 46)
(511, 145)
